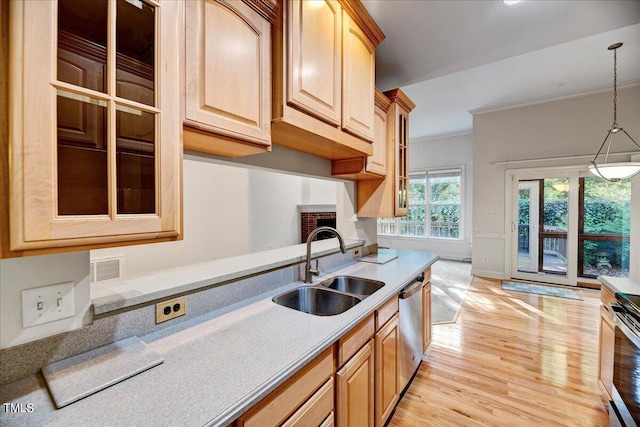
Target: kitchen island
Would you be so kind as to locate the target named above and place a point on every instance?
(216, 366)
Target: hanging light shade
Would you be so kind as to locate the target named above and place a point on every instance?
(600, 165)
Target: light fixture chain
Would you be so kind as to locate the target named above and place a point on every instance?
(615, 88)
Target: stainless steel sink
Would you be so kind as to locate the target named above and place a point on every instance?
(331, 297)
(316, 300)
(353, 285)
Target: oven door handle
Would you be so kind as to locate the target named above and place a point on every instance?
(620, 323)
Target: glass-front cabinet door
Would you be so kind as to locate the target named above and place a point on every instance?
(95, 131)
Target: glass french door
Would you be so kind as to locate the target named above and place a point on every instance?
(528, 202)
(541, 224)
(567, 228)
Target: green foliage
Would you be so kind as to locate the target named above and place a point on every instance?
(607, 210)
(599, 189)
(445, 213)
(445, 190)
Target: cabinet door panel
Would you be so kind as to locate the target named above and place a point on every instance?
(63, 171)
(80, 123)
(314, 58)
(377, 162)
(386, 349)
(426, 316)
(606, 351)
(358, 81)
(137, 128)
(228, 75)
(355, 389)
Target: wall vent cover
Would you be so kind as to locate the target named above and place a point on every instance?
(107, 268)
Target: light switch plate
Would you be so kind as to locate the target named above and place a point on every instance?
(47, 304)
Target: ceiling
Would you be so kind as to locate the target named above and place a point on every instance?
(455, 56)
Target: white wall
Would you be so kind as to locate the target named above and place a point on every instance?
(442, 153)
(273, 199)
(347, 222)
(319, 191)
(564, 128)
(17, 274)
(217, 220)
(229, 210)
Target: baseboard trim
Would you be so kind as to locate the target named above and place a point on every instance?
(488, 273)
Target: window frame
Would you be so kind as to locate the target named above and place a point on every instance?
(426, 174)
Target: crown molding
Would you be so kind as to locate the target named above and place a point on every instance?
(551, 98)
(445, 135)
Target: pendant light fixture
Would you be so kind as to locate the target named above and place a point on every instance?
(614, 171)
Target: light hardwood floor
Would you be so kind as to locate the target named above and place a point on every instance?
(511, 359)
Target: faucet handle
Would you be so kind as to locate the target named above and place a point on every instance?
(314, 271)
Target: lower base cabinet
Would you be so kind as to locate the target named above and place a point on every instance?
(426, 312)
(355, 389)
(354, 383)
(606, 345)
(303, 400)
(386, 375)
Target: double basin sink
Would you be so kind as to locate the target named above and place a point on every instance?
(333, 296)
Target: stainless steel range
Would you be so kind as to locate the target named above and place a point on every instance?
(625, 406)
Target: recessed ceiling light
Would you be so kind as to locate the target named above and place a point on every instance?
(511, 2)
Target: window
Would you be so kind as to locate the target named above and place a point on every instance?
(604, 227)
(435, 202)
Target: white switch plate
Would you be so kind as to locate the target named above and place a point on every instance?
(47, 304)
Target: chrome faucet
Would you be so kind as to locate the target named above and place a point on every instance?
(308, 271)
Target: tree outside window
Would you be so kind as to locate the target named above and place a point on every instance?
(435, 199)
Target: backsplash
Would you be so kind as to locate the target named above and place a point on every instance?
(27, 359)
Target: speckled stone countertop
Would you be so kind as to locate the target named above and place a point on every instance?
(619, 284)
(215, 368)
(115, 294)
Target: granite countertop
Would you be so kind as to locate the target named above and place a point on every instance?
(215, 368)
(116, 294)
(619, 284)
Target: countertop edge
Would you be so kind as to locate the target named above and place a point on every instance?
(177, 345)
(257, 395)
(620, 284)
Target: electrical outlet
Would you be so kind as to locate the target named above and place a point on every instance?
(171, 309)
(355, 253)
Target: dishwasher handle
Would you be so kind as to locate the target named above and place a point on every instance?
(411, 289)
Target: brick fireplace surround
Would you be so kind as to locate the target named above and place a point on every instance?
(309, 222)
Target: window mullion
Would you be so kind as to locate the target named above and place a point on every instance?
(111, 110)
(427, 211)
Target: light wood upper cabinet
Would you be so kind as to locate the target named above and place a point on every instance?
(389, 197)
(324, 65)
(400, 108)
(358, 80)
(227, 78)
(373, 167)
(94, 136)
(314, 59)
(377, 162)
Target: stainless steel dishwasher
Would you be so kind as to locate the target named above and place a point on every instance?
(410, 327)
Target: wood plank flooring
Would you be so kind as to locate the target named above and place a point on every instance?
(511, 359)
